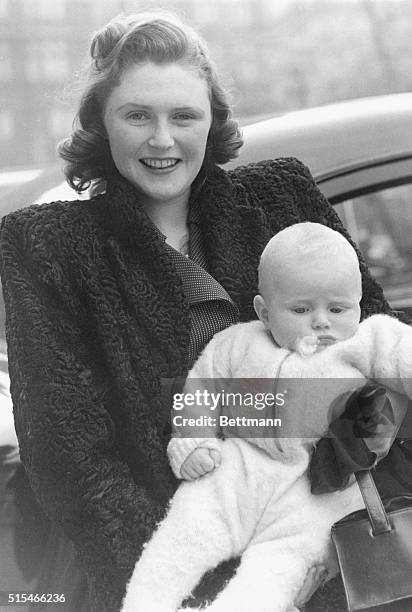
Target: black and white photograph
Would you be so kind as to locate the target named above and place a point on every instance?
(206, 306)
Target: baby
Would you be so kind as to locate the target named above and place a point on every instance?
(250, 496)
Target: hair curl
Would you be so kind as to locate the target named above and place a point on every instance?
(124, 41)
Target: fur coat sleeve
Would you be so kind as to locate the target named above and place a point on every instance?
(63, 405)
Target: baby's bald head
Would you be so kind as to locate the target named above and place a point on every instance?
(303, 246)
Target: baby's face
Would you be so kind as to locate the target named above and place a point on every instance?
(317, 300)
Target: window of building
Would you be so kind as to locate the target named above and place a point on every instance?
(5, 61)
(47, 60)
(44, 9)
(6, 125)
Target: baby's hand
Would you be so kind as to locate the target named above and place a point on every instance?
(200, 462)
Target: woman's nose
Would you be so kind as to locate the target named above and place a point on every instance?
(161, 137)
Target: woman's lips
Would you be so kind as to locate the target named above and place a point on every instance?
(158, 163)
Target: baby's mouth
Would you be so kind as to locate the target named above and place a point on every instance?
(326, 340)
(157, 163)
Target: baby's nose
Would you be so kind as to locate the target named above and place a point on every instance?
(320, 320)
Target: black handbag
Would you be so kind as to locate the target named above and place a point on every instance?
(374, 548)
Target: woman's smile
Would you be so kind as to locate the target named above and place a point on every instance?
(157, 164)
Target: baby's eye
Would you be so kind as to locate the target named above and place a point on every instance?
(336, 309)
(300, 309)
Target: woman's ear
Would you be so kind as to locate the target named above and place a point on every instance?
(261, 310)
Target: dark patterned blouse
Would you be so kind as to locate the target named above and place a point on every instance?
(211, 307)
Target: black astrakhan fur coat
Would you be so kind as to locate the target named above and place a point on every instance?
(96, 315)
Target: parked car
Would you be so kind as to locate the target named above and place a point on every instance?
(360, 153)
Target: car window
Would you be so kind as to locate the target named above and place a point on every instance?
(381, 224)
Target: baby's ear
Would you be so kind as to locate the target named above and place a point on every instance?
(261, 310)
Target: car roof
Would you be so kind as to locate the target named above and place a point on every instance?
(336, 136)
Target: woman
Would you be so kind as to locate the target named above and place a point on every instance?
(103, 302)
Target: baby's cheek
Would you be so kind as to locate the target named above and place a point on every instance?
(349, 327)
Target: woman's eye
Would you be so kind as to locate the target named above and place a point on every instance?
(183, 117)
(137, 116)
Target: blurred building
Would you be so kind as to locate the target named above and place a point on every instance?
(273, 55)
(42, 45)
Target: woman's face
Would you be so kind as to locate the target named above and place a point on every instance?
(157, 121)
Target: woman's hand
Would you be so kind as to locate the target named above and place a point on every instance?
(201, 461)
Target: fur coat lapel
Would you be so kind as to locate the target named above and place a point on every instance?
(235, 231)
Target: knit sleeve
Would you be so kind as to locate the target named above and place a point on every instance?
(61, 406)
(179, 450)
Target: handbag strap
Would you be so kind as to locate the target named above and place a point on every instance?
(373, 503)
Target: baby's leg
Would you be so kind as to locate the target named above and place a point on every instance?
(202, 528)
(268, 580)
(292, 538)
(189, 541)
